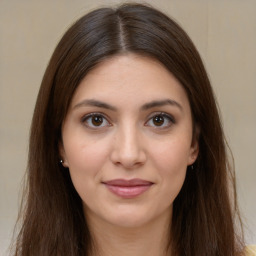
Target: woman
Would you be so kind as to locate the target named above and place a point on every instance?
(127, 154)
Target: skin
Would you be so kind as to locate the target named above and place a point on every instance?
(129, 138)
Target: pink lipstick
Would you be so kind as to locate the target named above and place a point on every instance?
(128, 188)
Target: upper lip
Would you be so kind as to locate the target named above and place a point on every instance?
(128, 183)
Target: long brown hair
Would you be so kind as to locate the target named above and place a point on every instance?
(204, 212)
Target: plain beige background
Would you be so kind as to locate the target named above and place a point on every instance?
(224, 31)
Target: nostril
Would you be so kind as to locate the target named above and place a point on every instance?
(128, 160)
(127, 148)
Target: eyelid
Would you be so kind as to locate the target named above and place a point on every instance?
(164, 114)
(91, 114)
(84, 117)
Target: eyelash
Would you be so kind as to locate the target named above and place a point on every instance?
(90, 116)
(166, 118)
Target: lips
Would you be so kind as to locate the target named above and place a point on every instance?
(128, 188)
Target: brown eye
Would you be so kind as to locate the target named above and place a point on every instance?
(161, 120)
(158, 120)
(95, 121)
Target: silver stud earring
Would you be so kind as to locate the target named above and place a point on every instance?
(192, 167)
(61, 161)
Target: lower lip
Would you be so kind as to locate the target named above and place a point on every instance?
(129, 191)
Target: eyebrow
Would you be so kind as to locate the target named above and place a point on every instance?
(153, 104)
(95, 103)
(160, 103)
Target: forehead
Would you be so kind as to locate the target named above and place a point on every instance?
(127, 79)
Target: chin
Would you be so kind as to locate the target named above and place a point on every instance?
(133, 221)
(129, 217)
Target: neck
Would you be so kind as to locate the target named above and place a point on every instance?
(150, 239)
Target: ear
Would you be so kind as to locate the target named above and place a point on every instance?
(62, 154)
(194, 149)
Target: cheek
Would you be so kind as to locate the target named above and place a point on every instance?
(170, 159)
(172, 154)
(85, 153)
(85, 161)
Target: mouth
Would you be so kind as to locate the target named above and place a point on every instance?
(128, 188)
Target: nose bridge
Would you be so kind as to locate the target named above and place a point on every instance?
(128, 146)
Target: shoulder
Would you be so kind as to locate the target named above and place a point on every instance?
(250, 250)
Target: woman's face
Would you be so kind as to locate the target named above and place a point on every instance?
(127, 141)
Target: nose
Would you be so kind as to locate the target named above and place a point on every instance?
(128, 148)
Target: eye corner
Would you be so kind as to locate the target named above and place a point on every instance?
(163, 121)
(100, 121)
